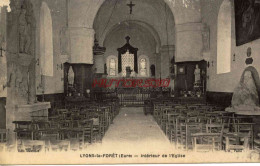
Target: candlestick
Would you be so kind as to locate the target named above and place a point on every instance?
(186, 85)
(28, 87)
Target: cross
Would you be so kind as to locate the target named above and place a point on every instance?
(131, 5)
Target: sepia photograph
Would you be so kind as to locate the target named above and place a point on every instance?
(129, 81)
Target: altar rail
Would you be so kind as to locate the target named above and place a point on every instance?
(137, 96)
(131, 96)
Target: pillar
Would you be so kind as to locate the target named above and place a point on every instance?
(189, 42)
(81, 45)
(167, 53)
(99, 60)
(157, 65)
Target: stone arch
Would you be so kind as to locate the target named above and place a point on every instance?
(172, 4)
(140, 23)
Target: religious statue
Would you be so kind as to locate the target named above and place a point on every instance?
(197, 74)
(245, 96)
(71, 76)
(128, 71)
(205, 38)
(24, 32)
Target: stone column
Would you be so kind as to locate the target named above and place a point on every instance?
(167, 52)
(21, 90)
(81, 45)
(99, 60)
(189, 42)
(157, 65)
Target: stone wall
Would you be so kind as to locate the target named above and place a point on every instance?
(228, 81)
(58, 9)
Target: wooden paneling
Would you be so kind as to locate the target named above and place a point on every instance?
(219, 98)
(2, 113)
(83, 74)
(188, 75)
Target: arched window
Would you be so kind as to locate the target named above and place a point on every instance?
(143, 67)
(224, 38)
(46, 41)
(112, 65)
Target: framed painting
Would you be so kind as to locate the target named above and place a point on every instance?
(181, 69)
(247, 21)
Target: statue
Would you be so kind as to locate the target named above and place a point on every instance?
(245, 96)
(24, 32)
(128, 71)
(71, 76)
(197, 74)
(205, 38)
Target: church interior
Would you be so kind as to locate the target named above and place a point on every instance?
(163, 74)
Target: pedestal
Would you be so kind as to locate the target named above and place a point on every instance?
(25, 112)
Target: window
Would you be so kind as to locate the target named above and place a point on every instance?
(112, 67)
(143, 67)
(127, 61)
(46, 41)
(224, 38)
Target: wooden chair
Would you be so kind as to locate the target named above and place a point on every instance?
(24, 130)
(211, 140)
(3, 139)
(237, 141)
(87, 126)
(186, 130)
(243, 124)
(257, 143)
(32, 146)
(59, 145)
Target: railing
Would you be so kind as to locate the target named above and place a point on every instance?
(132, 96)
(137, 96)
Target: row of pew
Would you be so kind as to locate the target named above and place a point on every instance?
(205, 127)
(73, 127)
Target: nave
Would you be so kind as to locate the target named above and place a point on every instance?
(133, 130)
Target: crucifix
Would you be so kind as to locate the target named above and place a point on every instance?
(131, 5)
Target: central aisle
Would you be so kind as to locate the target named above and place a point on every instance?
(133, 131)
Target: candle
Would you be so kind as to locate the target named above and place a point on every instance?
(41, 75)
(28, 78)
(186, 85)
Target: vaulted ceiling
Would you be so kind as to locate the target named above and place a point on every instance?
(153, 15)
